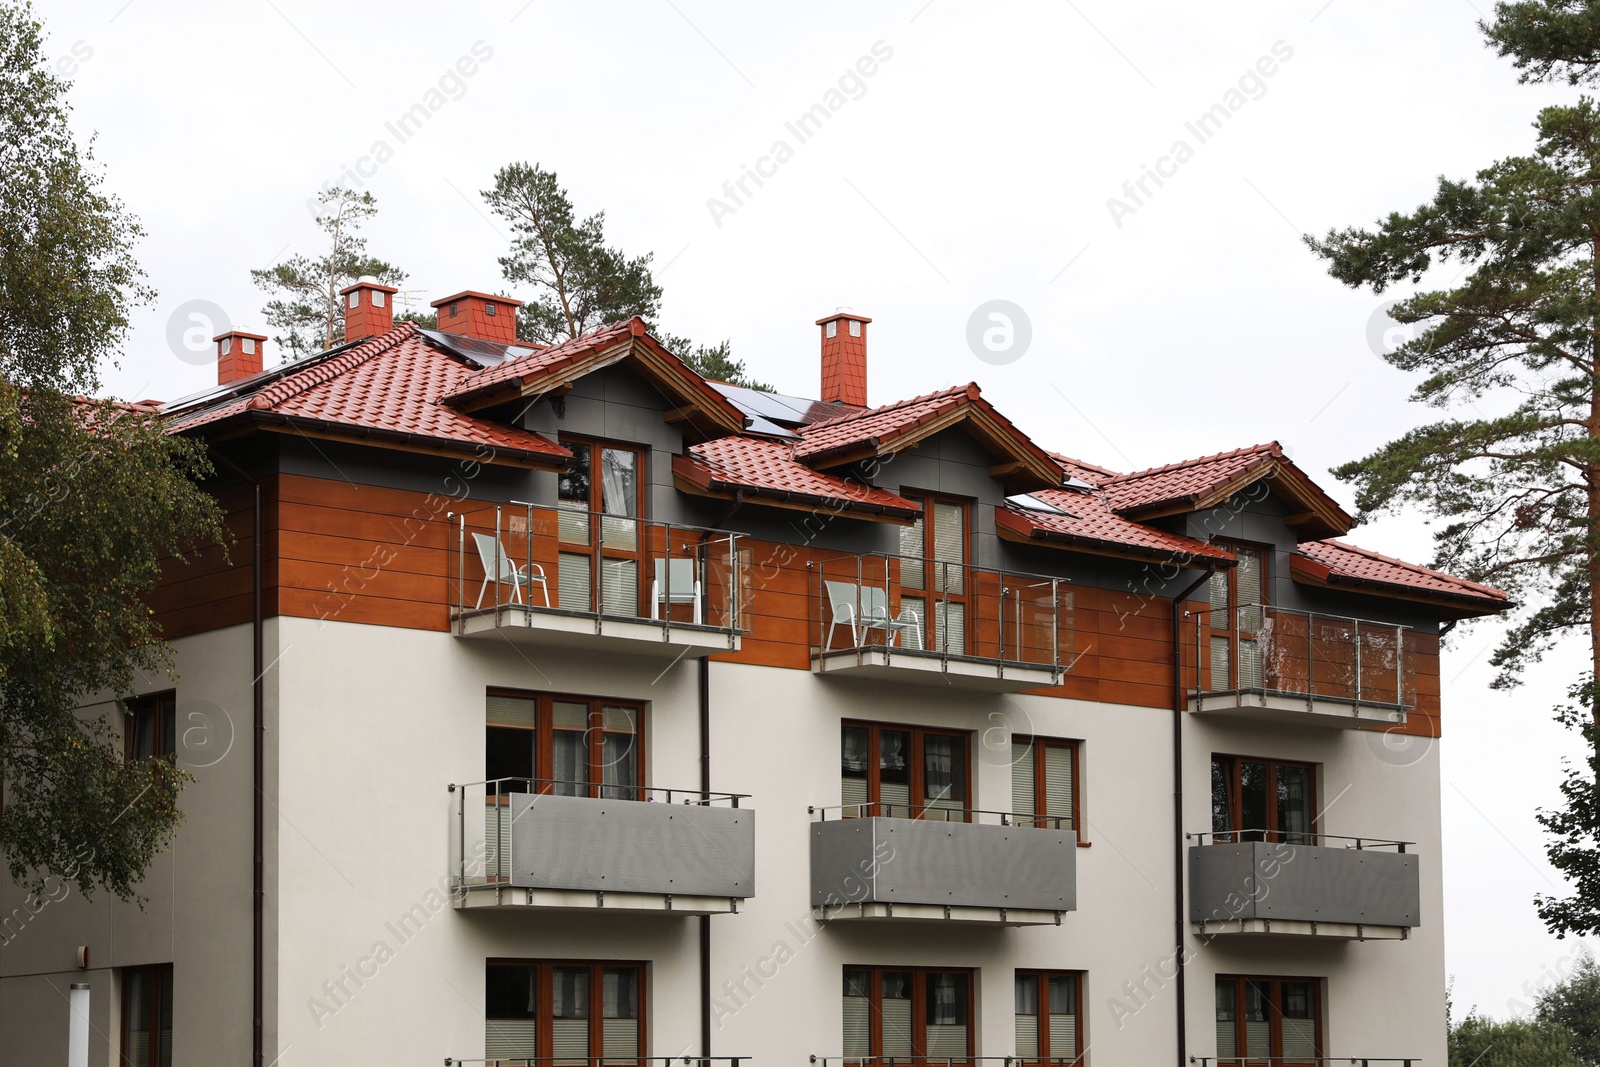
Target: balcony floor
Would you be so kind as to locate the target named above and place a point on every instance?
(487, 896)
(1270, 705)
(553, 628)
(878, 663)
(936, 913)
(1298, 928)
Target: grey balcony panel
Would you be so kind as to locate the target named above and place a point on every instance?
(628, 846)
(956, 864)
(1303, 883)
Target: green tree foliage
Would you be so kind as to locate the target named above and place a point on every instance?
(579, 280)
(1516, 490)
(1548, 40)
(306, 307)
(1480, 1042)
(1572, 1006)
(92, 496)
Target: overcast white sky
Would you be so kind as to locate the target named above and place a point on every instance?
(973, 164)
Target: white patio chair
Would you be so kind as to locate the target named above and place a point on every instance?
(508, 573)
(677, 582)
(873, 614)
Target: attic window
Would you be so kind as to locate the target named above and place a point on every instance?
(488, 309)
(832, 329)
(1029, 502)
(855, 328)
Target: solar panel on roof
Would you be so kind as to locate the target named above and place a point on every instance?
(788, 411)
(483, 353)
(770, 429)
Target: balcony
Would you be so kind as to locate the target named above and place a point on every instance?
(1302, 1061)
(914, 620)
(1276, 665)
(567, 578)
(518, 843)
(946, 865)
(1303, 885)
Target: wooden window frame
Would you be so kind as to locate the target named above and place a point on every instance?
(1274, 832)
(929, 593)
(915, 761)
(600, 552)
(1275, 984)
(543, 780)
(919, 1009)
(1048, 1056)
(150, 704)
(1037, 744)
(1229, 627)
(154, 973)
(545, 1012)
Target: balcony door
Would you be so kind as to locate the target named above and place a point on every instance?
(1263, 800)
(601, 503)
(1238, 622)
(907, 1013)
(935, 553)
(903, 772)
(1269, 1020)
(564, 1013)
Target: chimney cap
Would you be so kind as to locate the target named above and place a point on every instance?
(240, 333)
(476, 295)
(367, 281)
(842, 313)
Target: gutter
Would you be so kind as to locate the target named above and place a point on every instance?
(1179, 706)
(258, 778)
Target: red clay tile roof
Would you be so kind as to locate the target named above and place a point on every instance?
(1090, 524)
(387, 387)
(1197, 483)
(1339, 563)
(764, 468)
(1083, 470)
(542, 361)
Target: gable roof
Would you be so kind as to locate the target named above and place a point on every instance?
(1084, 471)
(763, 470)
(383, 391)
(1197, 484)
(554, 369)
(1339, 564)
(896, 427)
(1085, 521)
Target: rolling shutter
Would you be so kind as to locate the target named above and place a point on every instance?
(949, 546)
(508, 1039)
(1058, 784)
(1022, 778)
(573, 583)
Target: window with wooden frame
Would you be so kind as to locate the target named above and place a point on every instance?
(1256, 799)
(904, 772)
(1277, 1020)
(1237, 619)
(1044, 782)
(599, 566)
(1049, 1010)
(152, 726)
(905, 1012)
(564, 1012)
(574, 746)
(147, 1016)
(936, 551)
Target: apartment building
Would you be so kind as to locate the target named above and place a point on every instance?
(558, 706)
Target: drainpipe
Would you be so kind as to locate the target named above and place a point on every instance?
(705, 920)
(1180, 704)
(258, 695)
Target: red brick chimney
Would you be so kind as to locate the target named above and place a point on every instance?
(368, 309)
(482, 315)
(844, 358)
(239, 355)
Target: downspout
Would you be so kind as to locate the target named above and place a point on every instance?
(1180, 703)
(705, 920)
(258, 695)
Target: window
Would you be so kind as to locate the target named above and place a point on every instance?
(570, 746)
(152, 727)
(903, 772)
(147, 1016)
(378, 296)
(1044, 781)
(933, 564)
(1049, 1015)
(249, 347)
(1263, 800)
(1237, 620)
(831, 328)
(564, 1012)
(855, 328)
(599, 563)
(489, 309)
(1258, 1018)
(905, 1012)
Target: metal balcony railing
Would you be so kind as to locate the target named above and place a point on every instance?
(1299, 1061)
(913, 606)
(944, 1061)
(602, 1061)
(533, 559)
(937, 811)
(1291, 837)
(1277, 651)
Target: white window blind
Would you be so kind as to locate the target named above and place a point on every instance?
(1058, 783)
(1022, 779)
(510, 711)
(509, 1039)
(1221, 653)
(574, 583)
(949, 546)
(913, 547)
(620, 586)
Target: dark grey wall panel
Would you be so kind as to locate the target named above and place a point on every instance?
(911, 861)
(1297, 882)
(626, 846)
